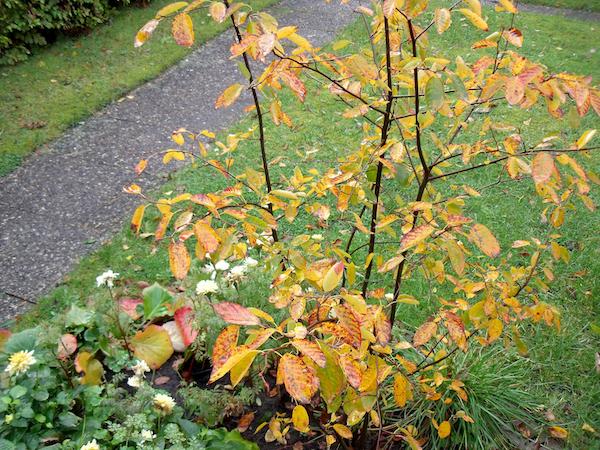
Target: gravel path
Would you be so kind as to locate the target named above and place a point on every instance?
(62, 204)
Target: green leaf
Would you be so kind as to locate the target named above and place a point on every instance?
(68, 419)
(78, 317)
(24, 341)
(155, 300)
(332, 380)
(18, 391)
(459, 86)
(434, 93)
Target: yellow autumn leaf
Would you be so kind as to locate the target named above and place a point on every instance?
(443, 19)
(343, 431)
(229, 95)
(402, 390)
(494, 327)
(136, 219)
(508, 6)
(585, 138)
(444, 429)
(173, 154)
(170, 9)
(558, 432)
(475, 19)
(300, 419)
(333, 277)
(239, 371)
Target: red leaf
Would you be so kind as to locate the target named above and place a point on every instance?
(129, 307)
(184, 317)
(235, 314)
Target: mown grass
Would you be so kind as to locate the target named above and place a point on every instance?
(561, 364)
(69, 80)
(585, 5)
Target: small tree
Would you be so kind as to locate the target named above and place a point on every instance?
(420, 131)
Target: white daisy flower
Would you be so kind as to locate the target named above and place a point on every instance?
(206, 287)
(222, 265)
(107, 278)
(164, 403)
(20, 362)
(92, 445)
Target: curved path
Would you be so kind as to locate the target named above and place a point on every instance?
(64, 203)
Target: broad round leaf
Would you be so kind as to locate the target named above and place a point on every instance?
(152, 345)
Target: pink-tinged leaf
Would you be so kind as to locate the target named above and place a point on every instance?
(67, 345)
(515, 90)
(542, 167)
(235, 314)
(184, 317)
(145, 32)
(129, 307)
(183, 30)
(483, 238)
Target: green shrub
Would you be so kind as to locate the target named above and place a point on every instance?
(25, 24)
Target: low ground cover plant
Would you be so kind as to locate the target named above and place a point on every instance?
(327, 341)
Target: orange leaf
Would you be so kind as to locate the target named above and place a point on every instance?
(402, 390)
(300, 380)
(138, 216)
(224, 345)
(350, 325)
(483, 238)
(424, 333)
(179, 259)
(456, 329)
(310, 349)
(542, 167)
(351, 370)
(415, 236)
(183, 30)
(235, 314)
(206, 236)
(514, 90)
(514, 36)
(383, 328)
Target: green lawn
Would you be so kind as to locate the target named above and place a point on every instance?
(67, 81)
(562, 373)
(586, 5)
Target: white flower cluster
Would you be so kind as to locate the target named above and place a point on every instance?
(107, 278)
(234, 275)
(139, 370)
(20, 362)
